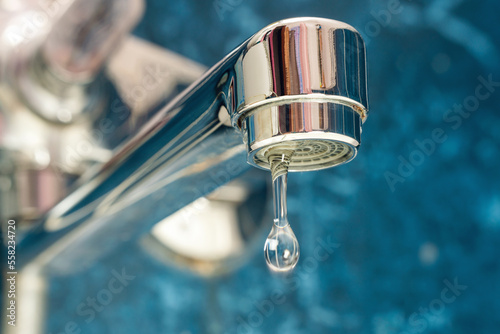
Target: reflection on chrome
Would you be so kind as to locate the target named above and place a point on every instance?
(299, 82)
(213, 235)
(185, 142)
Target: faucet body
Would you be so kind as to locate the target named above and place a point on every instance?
(296, 81)
(54, 91)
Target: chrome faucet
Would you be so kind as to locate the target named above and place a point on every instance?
(53, 87)
(298, 82)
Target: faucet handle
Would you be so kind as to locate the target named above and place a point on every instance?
(60, 76)
(82, 40)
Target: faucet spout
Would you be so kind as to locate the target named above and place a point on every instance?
(298, 83)
(303, 87)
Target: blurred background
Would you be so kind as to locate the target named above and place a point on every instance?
(403, 239)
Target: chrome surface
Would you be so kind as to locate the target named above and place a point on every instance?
(298, 83)
(54, 94)
(56, 100)
(88, 32)
(53, 53)
(304, 80)
(321, 135)
(187, 150)
(38, 158)
(215, 234)
(47, 156)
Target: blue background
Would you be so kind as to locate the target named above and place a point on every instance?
(397, 243)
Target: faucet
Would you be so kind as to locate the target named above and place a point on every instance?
(53, 87)
(296, 83)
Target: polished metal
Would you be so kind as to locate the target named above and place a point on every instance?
(298, 84)
(187, 150)
(48, 156)
(54, 94)
(304, 80)
(40, 159)
(321, 135)
(54, 53)
(215, 234)
(85, 36)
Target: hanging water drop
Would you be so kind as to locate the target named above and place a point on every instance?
(281, 248)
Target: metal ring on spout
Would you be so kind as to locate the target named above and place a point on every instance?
(322, 134)
(302, 82)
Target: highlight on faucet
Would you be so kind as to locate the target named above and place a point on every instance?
(244, 167)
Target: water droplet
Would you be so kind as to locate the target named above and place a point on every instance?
(282, 248)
